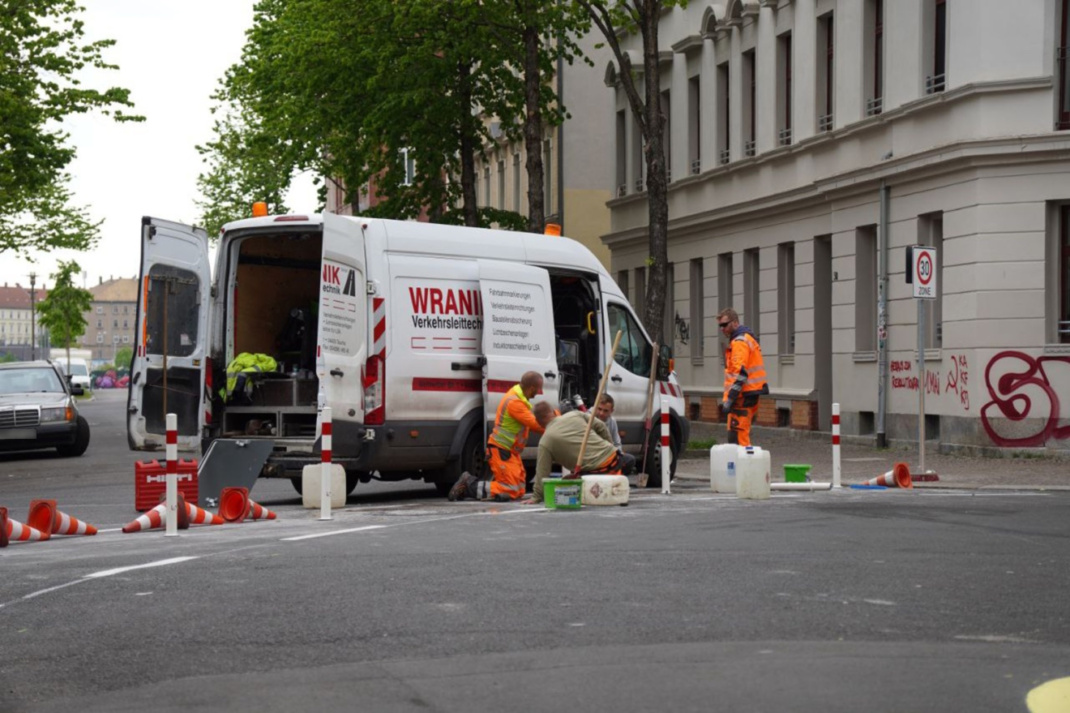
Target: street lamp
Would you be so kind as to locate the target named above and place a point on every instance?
(33, 317)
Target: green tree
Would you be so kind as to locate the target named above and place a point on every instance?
(616, 19)
(359, 90)
(123, 357)
(62, 310)
(42, 56)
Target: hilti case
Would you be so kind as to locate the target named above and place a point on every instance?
(150, 482)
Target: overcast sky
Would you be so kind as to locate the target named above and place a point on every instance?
(171, 54)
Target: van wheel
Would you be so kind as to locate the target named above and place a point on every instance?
(652, 467)
(81, 441)
(470, 460)
(296, 482)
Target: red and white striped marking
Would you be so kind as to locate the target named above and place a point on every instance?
(665, 452)
(835, 445)
(672, 389)
(171, 519)
(325, 465)
(379, 330)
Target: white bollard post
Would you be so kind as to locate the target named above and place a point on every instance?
(325, 467)
(666, 453)
(835, 445)
(171, 479)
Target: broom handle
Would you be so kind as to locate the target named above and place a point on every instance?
(601, 390)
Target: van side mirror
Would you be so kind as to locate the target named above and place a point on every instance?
(664, 362)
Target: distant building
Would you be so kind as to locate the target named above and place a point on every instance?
(111, 319)
(16, 320)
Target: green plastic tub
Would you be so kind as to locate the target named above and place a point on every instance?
(796, 473)
(561, 494)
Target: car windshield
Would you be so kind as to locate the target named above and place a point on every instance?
(30, 380)
(79, 370)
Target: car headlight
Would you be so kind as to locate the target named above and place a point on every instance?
(62, 413)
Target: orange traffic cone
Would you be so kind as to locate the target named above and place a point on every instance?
(199, 516)
(897, 477)
(15, 531)
(259, 512)
(46, 517)
(149, 521)
(234, 504)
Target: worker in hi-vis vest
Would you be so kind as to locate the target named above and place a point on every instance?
(744, 376)
(505, 446)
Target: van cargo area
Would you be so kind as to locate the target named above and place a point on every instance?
(272, 310)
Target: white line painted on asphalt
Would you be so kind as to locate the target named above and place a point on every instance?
(332, 533)
(121, 570)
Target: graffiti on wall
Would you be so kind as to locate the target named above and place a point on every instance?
(903, 378)
(1024, 387)
(958, 376)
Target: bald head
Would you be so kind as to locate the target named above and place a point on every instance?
(531, 383)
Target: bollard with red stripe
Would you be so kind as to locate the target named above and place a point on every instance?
(835, 445)
(171, 518)
(666, 453)
(325, 472)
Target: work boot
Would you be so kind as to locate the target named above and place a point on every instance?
(459, 491)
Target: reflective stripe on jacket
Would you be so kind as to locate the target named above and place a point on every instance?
(513, 422)
(744, 370)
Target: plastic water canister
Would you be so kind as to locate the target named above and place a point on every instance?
(720, 456)
(752, 480)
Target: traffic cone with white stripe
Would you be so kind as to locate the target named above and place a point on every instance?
(897, 477)
(46, 517)
(259, 512)
(149, 521)
(234, 504)
(12, 530)
(200, 516)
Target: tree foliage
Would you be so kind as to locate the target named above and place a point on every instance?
(352, 89)
(62, 310)
(616, 19)
(123, 358)
(42, 53)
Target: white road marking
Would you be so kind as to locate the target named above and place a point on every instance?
(121, 570)
(332, 533)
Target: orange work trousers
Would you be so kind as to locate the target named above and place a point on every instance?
(507, 474)
(740, 418)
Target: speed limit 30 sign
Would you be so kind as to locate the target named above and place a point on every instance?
(922, 271)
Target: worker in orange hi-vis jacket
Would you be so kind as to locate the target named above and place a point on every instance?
(744, 376)
(505, 446)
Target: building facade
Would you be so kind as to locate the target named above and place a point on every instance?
(111, 319)
(810, 143)
(17, 321)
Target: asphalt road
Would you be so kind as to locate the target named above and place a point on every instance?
(949, 600)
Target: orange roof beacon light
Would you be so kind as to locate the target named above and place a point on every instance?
(552, 229)
(259, 209)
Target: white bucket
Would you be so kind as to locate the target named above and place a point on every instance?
(752, 473)
(604, 490)
(720, 456)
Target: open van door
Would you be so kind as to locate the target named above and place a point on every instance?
(347, 370)
(518, 330)
(167, 373)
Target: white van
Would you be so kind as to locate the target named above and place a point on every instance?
(77, 371)
(410, 332)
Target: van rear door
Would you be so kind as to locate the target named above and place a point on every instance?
(168, 367)
(343, 362)
(518, 330)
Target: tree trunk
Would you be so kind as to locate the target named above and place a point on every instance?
(469, 207)
(533, 132)
(657, 180)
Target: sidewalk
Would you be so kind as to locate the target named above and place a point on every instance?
(859, 463)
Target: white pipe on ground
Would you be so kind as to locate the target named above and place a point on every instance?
(800, 486)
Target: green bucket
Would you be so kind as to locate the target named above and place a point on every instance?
(796, 473)
(561, 494)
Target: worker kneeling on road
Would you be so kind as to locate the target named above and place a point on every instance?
(505, 446)
(561, 444)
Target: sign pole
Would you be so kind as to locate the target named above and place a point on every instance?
(921, 385)
(921, 271)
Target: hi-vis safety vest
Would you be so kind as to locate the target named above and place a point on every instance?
(249, 364)
(509, 433)
(744, 370)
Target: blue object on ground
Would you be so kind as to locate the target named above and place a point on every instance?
(868, 487)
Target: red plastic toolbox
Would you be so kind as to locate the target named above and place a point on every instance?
(150, 482)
